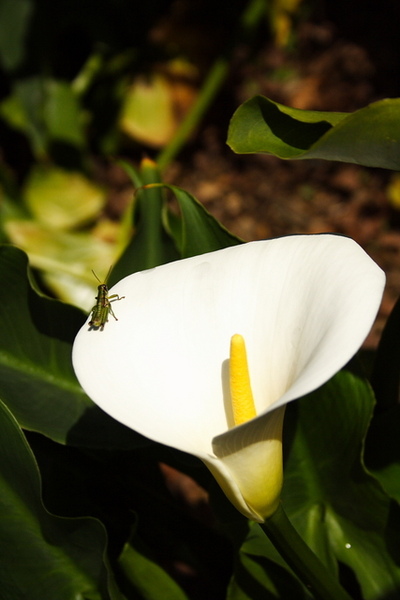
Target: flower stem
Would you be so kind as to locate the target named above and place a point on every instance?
(253, 14)
(301, 559)
(213, 83)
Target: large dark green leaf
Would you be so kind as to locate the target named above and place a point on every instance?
(385, 378)
(37, 381)
(382, 455)
(369, 136)
(43, 557)
(383, 459)
(339, 509)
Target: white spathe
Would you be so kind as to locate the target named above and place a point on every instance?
(304, 304)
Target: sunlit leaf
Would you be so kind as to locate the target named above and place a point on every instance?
(369, 136)
(147, 111)
(37, 381)
(66, 259)
(62, 199)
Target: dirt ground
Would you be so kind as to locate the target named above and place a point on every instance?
(260, 196)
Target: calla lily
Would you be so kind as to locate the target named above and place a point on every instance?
(301, 305)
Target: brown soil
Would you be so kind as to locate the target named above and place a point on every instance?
(260, 196)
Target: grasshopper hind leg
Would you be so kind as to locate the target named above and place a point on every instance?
(113, 298)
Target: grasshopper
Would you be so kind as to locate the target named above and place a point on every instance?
(102, 308)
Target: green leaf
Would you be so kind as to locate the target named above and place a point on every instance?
(62, 114)
(382, 454)
(37, 381)
(145, 576)
(197, 231)
(24, 110)
(161, 235)
(47, 111)
(339, 509)
(369, 136)
(385, 378)
(62, 199)
(151, 245)
(43, 557)
(147, 112)
(260, 572)
(66, 259)
(15, 16)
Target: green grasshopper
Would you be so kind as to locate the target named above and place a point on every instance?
(103, 306)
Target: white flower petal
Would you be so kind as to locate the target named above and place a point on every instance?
(304, 305)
